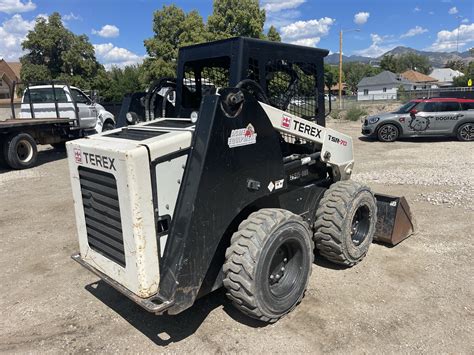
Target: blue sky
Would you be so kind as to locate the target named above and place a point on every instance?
(117, 28)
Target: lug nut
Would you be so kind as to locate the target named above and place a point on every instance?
(271, 277)
(285, 260)
(278, 276)
(282, 268)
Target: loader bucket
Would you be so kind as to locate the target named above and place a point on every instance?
(394, 219)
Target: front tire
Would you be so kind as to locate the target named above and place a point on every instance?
(345, 222)
(268, 264)
(388, 133)
(465, 132)
(21, 151)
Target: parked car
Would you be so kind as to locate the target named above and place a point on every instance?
(424, 117)
(326, 97)
(92, 116)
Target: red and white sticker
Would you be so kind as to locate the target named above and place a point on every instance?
(242, 136)
(286, 121)
(78, 155)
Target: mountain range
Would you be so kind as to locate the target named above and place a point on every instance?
(437, 59)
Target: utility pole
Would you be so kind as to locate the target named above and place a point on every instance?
(340, 63)
(340, 70)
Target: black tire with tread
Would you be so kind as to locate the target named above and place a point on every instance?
(334, 221)
(10, 151)
(108, 126)
(388, 140)
(460, 128)
(245, 259)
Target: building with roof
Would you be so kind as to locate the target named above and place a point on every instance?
(445, 76)
(419, 80)
(9, 72)
(383, 86)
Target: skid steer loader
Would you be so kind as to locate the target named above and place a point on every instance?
(232, 179)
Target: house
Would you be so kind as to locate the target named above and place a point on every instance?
(9, 72)
(445, 76)
(335, 89)
(420, 81)
(383, 86)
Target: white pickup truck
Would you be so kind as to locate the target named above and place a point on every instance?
(63, 102)
(49, 114)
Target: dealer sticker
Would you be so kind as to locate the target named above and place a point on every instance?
(78, 155)
(242, 136)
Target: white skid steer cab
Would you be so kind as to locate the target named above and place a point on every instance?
(229, 178)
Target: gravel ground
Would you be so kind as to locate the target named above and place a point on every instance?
(416, 297)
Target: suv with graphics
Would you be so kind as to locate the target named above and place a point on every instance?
(424, 117)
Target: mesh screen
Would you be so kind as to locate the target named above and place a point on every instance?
(290, 86)
(204, 78)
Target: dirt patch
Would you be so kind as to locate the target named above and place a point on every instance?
(412, 298)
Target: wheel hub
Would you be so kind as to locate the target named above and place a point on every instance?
(360, 225)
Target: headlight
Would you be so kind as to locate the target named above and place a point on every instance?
(373, 120)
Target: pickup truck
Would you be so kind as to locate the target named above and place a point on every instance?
(49, 114)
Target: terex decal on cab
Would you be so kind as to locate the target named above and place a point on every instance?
(94, 159)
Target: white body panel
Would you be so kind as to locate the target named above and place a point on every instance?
(134, 187)
(336, 147)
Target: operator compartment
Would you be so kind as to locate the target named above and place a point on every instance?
(116, 180)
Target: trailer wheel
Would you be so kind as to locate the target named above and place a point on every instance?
(345, 222)
(268, 264)
(20, 151)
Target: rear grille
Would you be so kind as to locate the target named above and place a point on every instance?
(102, 214)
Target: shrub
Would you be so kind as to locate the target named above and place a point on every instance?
(355, 113)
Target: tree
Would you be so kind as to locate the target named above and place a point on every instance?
(173, 28)
(456, 65)
(232, 18)
(389, 63)
(122, 81)
(355, 71)
(54, 52)
(406, 61)
(273, 35)
(468, 74)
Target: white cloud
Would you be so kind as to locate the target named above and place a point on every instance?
(279, 5)
(453, 10)
(416, 9)
(415, 31)
(15, 6)
(71, 17)
(12, 32)
(110, 56)
(361, 17)
(108, 31)
(307, 33)
(431, 12)
(450, 40)
(376, 49)
(465, 20)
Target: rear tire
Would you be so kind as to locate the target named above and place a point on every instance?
(108, 126)
(388, 133)
(465, 132)
(268, 264)
(345, 222)
(21, 151)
